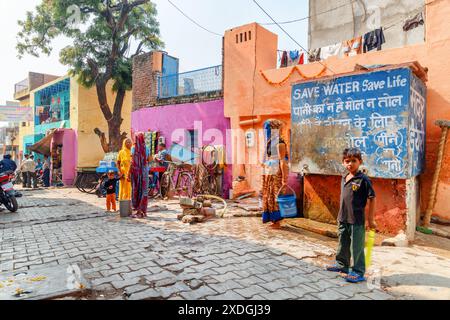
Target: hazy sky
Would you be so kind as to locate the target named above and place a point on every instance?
(195, 48)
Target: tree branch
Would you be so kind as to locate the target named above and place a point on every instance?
(103, 141)
(137, 3)
(94, 67)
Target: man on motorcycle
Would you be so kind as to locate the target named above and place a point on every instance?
(7, 164)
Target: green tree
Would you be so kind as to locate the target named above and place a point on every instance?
(105, 35)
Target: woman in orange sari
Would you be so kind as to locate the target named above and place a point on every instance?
(275, 171)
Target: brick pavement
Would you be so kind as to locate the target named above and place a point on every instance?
(161, 258)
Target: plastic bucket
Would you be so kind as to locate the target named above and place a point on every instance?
(287, 204)
(125, 208)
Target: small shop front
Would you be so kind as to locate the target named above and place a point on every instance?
(203, 124)
(60, 146)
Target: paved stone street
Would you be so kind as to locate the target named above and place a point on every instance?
(161, 258)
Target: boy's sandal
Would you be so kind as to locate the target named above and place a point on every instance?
(336, 268)
(354, 278)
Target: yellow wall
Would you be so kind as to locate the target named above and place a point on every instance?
(86, 116)
(28, 129)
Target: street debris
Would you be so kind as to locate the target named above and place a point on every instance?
(398, 241)
(200, 209)
(157, 209)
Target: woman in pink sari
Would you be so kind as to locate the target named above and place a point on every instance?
(139, 174)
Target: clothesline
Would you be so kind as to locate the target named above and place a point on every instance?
(372, 40)
(413, 15)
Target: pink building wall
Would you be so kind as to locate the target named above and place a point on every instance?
(171, 120)
(67, 138)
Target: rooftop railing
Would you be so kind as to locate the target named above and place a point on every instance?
(190, 83)
(21, 86)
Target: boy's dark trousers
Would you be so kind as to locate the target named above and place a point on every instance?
(24, 179)
(352, 240)
(32, 179)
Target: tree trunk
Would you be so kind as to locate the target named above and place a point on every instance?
(113, 119)
(115, 136)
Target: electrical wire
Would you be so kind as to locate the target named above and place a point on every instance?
(308, 17)
(193, 21)
(287, 33)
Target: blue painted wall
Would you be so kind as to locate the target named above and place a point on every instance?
(170, 67)
(43, 128)
(376, 112)
(30, 140)
(417, 123)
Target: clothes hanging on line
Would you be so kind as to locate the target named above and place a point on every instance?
(414, 22)
(291, 58)
(314, 55)
(352, 47)
(374, 40)
(284, 60)
(331, 51)
(294, 55)
(295, 58)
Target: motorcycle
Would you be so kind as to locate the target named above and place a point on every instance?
(17, 177)
(40, 177)
(7, 192)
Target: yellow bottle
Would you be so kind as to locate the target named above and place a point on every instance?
(369, 246)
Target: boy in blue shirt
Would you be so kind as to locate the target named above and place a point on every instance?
(356, 191)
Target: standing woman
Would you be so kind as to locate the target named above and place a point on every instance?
(139, 176)
(124, 163)
(275, 170)
(46, 175)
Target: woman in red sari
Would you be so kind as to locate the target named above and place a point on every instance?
(139, 175)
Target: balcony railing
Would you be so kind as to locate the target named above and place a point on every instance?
(189, 83)
(21, 86)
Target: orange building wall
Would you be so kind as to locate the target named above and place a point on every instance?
(247, 94)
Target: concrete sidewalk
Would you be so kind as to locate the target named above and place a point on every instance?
(230, 258)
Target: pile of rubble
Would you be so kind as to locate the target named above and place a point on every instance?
(196, 210)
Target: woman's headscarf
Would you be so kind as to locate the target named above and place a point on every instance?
(270, 126)
(126, 150)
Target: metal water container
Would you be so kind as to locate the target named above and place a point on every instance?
(125, 208)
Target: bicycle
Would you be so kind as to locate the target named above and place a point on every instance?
(183, 182)
(154, 185)
(87, 182)
(205, 172)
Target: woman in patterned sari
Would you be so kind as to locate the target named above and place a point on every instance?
(275, 170)
(139, 174)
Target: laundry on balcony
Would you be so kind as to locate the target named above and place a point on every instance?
(353, 47)
(332, 50)
(374, 40)
(314, 55)
(414, 22)
(291, 58)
